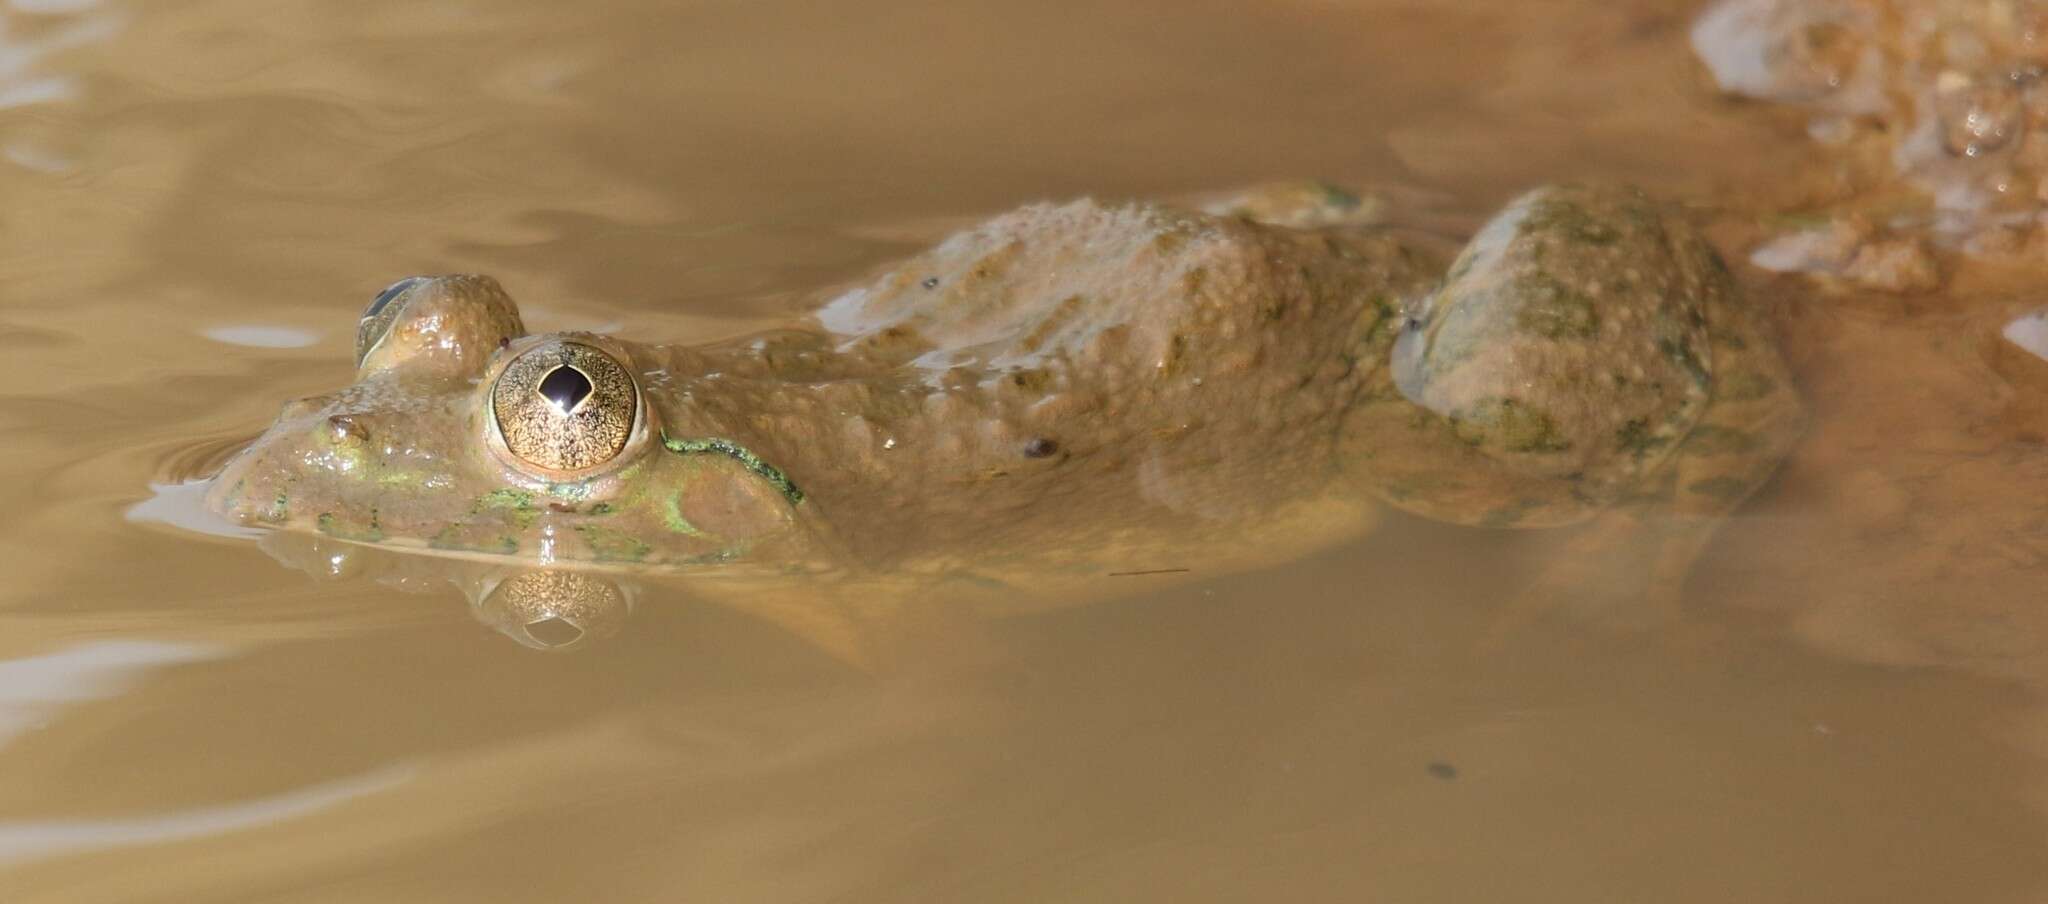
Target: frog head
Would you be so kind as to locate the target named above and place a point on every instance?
(461, 433)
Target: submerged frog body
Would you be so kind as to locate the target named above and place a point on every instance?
(1065, 378)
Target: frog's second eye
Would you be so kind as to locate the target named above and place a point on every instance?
(378, 316)
(565, 406)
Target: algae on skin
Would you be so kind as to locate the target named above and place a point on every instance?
(1519, 427)
(738, 453)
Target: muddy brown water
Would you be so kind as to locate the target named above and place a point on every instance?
(200, 195)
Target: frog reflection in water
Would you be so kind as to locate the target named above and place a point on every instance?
(1077, 389)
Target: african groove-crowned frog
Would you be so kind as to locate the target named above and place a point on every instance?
(1059, 377)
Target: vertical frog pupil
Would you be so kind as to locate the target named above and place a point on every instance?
(565, 387)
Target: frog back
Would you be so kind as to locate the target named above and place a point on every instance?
(1583, 339)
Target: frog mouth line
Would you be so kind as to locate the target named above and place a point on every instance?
(739, 453)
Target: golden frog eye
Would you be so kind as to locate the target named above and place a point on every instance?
(565, 406)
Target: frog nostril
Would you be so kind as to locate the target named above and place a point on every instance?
(565, 387)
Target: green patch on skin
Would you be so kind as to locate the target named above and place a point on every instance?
(572, 491)
(1636, 439)
(1681, 355)
(1337, 197)
(279, 507)
(1725, 489)
(1555, 311)
(602, 508)
(738, 453)
(443, 538)
(332, 526)
(1381, 314)
(451, 537)
(1515, 426)
(1712, 439)
(613, 545)
(672, 515)
(517, 502)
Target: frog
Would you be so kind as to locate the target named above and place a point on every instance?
(1076, 388)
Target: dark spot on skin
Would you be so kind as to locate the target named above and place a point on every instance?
(504, 342)
(1041, 447)
(1442, 770)
(1176, 348)
(1029, 380)
(561, 507)
(1636, 438)
(930, 282)
(1413, 325)
(1382, 320)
